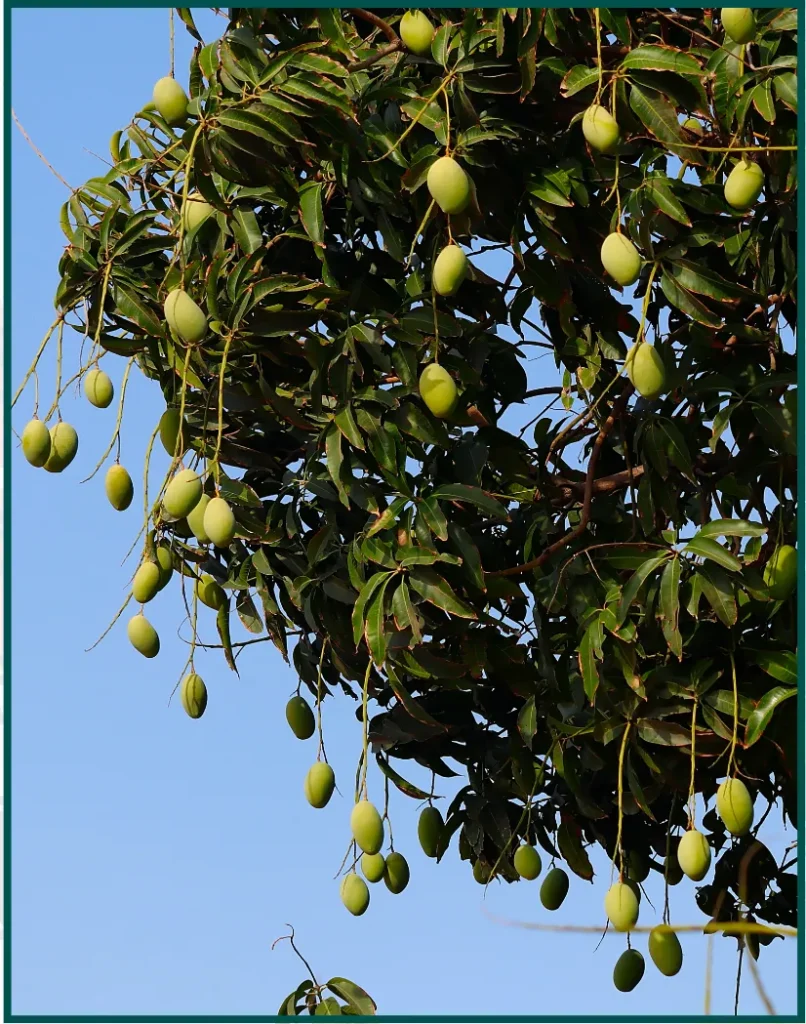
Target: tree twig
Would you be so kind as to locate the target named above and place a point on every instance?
(41, 156)
(395, 42)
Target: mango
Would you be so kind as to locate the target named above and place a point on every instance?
(195, 211)
(635, 887)
(450, 269)
(166, 563)
(373, 865)
(637, 866)
(171, 101)
(35, 440)
(142, 636)
(734, 806)
(672, 872)
(781, 573)
(119, 487)
(629, 970)
(169, 433)
(646, 370)
(354, 894)
(185, 318)
(449, 185)
(621, 906)
(63, 447)
(693, 125)
(554, 889)
(366, 826)
(219, 522)
(744, 184)
(429, 830)
(416, 31)
(481, 872)
(665, 950)
(396, 874)
(182, 494)
(99, 389)
(195, 520)
(146, 582)
(600, 128)
(438, 390)
(319, 784)
(694, 855)
(299, 716)
(210, 593)
(193, 694)
(620, 259)
(739, 23)
(527, 862)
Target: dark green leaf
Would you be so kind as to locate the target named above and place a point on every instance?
(760, 718)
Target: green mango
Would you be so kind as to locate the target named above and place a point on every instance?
(143, 637)
(299, 716)
(367, 826)
(438, 390)
(637, 866)
(166, 563)
(739, 23)
(449, 185)
(621, 906)
(119, 487)
(219, 522)
(99, 389)
(193, 693)
(171, 101)
(450, 270)
(373, 865)
(195, 211)
(63, 447)
(481, 872)
(600, 128)
(185, 318)
(554, 889)
(527, 862)
(734, 805)
(169, 433)
(694, 855)
(396, 873)
(744, 184)
(665, 950)
(429, 830)
(781, 572)
(354, 894)
(211, 593)
(319, 784)
(621, 259)
(646, 370)
(629, 970)
(416, 31)
(182, 494)
(195, 520)
(146, 582)
(36, 443)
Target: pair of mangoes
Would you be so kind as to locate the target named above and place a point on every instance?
(52, 449)
(393, 869)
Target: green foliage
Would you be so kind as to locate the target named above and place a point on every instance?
(558, 636)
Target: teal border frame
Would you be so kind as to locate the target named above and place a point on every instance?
(10, 1017)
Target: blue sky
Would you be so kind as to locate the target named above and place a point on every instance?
(155, 859)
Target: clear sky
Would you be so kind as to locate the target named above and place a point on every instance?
(155, 859)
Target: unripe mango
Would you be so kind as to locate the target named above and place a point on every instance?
(527, 862)
(35, 440)
(166, 563)
(195, 520)
(366, 826)
(185, 318)
(193, 693)
(119, 487)
(299, 716)
(637, 866)
(210, 593)
(195, 211)
(600, 128)
(416, 31)
(635, 887)
(665, 950)
(219, 522)
(182, 494)
(171, 100)
(146, 582)
(620, 259)
(739, 23)
(735, 807)
(63, 447)
(450, 269)
(169, 433)
(621, 906)
(693, 125)
(781, 573)
(99, 389)
(354, 894)
(373, 865)
(396, 874)
(143, 637)
(429, 830)
(694, 855)
(481, 872)
(554, 889)
(672, 872)
(438, 390)
(629, 970)
(449, 185)
(319, 784)
(646, 370)
(744, 184)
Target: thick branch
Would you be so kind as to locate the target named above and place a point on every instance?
(603, 485)
(395, 42)
(618, 409)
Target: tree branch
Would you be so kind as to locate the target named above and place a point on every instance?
(618, 409)
(395, 42)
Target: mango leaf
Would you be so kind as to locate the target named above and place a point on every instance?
(222, 625)
(248, 613)
(660, 117)
(685, 301)
(731, 528)
(402, 784)
(636, 581)
(659, 192)
(311, 212)
(367, 592)
(375, 625)
(475, 495)
(760, 718)
(360, 1002)
(412, 706)
(781, 665)
(700, 279)
(718, 588)
(706, 547)
(438, 591)
(578, 78)
(471, 559)
(664, 734)
(589, 647)
(527, 721)
(570, 846)
(670, 606)
(434, 517)
(345, 421)
(662, 58)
